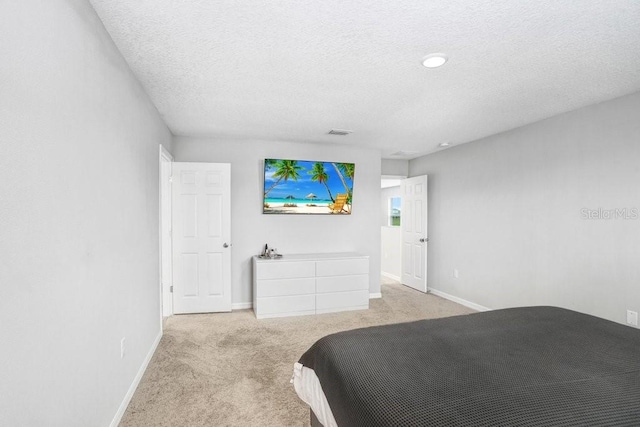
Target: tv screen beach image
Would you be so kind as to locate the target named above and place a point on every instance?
(307, 187)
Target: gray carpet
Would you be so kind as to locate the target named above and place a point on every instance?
(230, 369)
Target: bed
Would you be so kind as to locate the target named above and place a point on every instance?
(531, 366)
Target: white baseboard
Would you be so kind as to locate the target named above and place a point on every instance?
(134, 385)
(375, 295)
(241, 305)
(390, 276)
(460, 301)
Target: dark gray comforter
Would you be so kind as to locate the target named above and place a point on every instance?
(534, 366)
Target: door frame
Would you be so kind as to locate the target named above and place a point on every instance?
(166, 299)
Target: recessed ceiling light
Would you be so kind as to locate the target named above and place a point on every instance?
(444, 144)
(434, 60)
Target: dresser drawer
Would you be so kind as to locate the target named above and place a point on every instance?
(286, 304)
(342, 267)
(338, 301)
(285, 270)
(342, 283)
(277, 287)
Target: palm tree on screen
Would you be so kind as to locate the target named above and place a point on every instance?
(285, 170)
(318, 174)
(345, 169)
(348, 170)
(269, 163)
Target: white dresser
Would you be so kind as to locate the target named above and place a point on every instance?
(310, 284)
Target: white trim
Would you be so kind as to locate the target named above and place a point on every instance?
(460, 301)
(375, 295)
(134, 385)
(390, 276)
(165, 153)
(165, 156)
(241, 305)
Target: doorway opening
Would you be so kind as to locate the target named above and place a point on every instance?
(391, 232)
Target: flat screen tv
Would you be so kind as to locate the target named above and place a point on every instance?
(307, 187)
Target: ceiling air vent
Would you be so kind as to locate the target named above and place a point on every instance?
(404, 154)
(341, 132)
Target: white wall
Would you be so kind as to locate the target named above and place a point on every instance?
(395, 167)
(251, 229)
(506, 211)
(391, 237)
(78, 217)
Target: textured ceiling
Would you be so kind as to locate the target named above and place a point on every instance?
(293, 70)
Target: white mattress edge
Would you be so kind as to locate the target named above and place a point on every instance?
(308, 388)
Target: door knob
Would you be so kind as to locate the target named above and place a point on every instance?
(225, 245)
(423, 240)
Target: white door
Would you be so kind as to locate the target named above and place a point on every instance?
(414, 232)
(201, 237)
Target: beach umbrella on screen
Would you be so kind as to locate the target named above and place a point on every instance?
(290, 197)
(311, 196)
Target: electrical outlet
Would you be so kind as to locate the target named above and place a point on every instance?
(455, 273)
(632, 317)
(122, 348)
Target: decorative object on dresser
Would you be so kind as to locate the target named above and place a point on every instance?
(269, 253)
(300, 284)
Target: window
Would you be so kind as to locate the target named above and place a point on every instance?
(394, 211)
